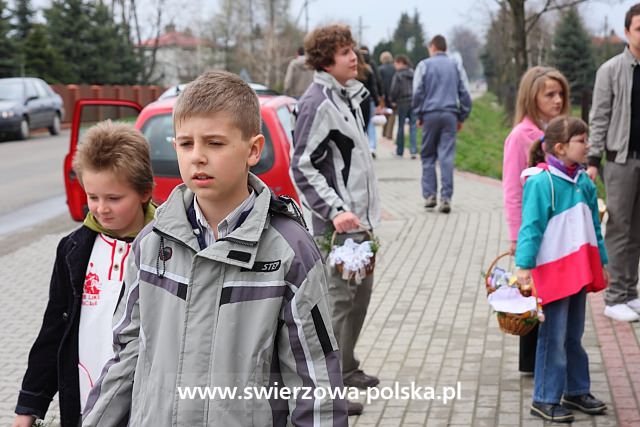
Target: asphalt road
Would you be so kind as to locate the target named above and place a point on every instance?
(32, 188)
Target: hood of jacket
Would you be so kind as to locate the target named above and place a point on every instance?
(405, 74)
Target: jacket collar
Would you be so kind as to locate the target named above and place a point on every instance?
(238, 248)
(353, 90)
(629, 59)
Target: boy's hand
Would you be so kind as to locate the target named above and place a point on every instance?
(592, 171)
(605, 274)
(512, 248)
(459, 126)
(23, 421)
(346, 221)
(419, 123)
(524, 276)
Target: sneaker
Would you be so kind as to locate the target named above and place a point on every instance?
(445, 206)
(413, 157)
(586, 403)
(361, 380)
(551, 412)
(621, 313)
(634, 304)
(354, 408)
(373, 154)
(430, 202)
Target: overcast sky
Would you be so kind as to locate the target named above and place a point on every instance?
(380, 17)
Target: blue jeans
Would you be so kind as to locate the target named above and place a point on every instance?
(562, 364)
(371, 129)
(403, 113)
(438, 143)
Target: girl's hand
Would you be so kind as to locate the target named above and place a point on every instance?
(512, 248)
(524, 276)
(23, 421)
(605, 273)
(592, 171)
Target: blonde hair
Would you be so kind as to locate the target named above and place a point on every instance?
(220, 91)
(386, 57)
(531, 84)
(118, 148)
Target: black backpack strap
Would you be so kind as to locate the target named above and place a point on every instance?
(285, 205)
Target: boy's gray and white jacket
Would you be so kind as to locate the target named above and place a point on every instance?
(331, 162)
(250, 310)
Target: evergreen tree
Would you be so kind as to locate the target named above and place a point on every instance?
(573, 54)
(418, 49)
(40, 58)
(7, 49)
(68, 28)
(23, 19)
(408, 39)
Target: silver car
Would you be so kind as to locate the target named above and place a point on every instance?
(28, 103)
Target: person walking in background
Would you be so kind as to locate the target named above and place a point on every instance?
(333, 172)
(560, 248)
(400, 95)
(367, 76)
(441, 104)
(543, 94)
(386, 71)
(298, 77)
(615, 134)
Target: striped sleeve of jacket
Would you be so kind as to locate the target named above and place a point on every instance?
(109, 402)
(311, 141)
(307, 350)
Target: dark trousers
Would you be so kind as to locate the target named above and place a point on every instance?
(528, 345)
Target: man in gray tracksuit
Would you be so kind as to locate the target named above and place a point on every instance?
(223, 325)
(333, 171)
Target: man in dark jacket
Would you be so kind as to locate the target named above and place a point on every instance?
(400, 96)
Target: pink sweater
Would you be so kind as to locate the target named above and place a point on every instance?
(516, 158)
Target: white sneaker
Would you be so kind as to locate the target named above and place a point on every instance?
(634, 304)
(621, 313)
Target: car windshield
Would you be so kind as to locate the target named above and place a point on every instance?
(158, 130)
(11, 89)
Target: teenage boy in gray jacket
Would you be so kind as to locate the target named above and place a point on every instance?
(333, 171)
(227, 293)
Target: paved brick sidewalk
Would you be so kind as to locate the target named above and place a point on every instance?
(429, 321)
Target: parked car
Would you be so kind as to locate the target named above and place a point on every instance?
(156, 123)
(28, 103)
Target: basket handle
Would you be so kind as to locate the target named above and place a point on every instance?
(335, 233)
(487, 277)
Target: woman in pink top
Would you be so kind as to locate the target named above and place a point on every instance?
(543, 95)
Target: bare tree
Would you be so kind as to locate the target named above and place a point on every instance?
(524, 23)
(467, 44)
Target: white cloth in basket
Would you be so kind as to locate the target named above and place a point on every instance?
(354, 257)
(508, 299)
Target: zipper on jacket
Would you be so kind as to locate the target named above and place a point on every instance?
(238, 241)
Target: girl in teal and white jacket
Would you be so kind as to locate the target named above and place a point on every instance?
(560, 245)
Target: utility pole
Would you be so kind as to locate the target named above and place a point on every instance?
(360, 28)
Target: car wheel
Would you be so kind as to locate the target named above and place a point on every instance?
(54, 129)
(23, 133)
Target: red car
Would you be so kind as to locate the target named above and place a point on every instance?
(156, 124)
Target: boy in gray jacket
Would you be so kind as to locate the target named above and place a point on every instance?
(227, 295)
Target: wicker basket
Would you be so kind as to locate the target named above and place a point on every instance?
(368, 268)
(511, 323)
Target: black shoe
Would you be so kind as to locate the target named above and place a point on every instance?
(586, 403)
(361, 380)
(445, 206)
(354, 408)
(430, 202)
(551, 412)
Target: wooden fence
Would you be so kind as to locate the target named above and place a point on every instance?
(143, 95)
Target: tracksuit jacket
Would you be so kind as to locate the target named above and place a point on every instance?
(331, 162)
(560, 237)
(250, 310)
